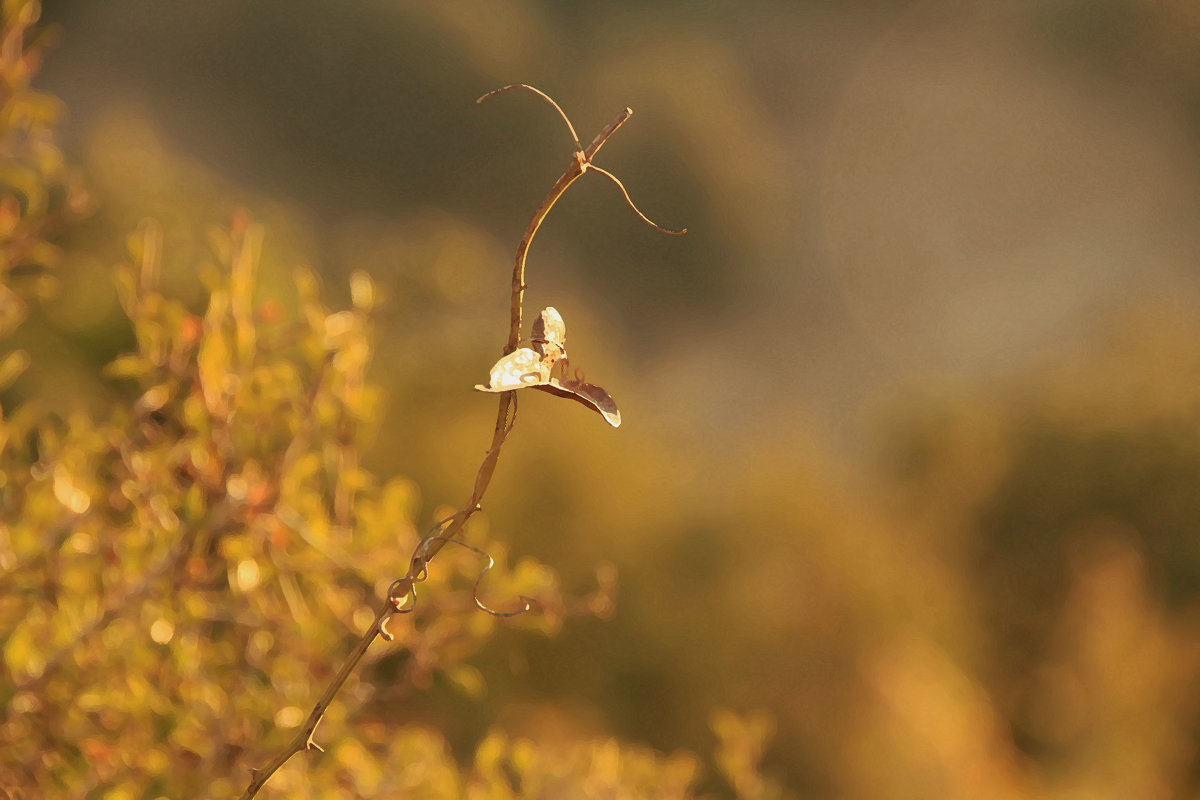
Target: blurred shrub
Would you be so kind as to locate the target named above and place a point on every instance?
(39, 193)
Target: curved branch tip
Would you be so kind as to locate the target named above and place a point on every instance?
(541, 94)
(630, 202)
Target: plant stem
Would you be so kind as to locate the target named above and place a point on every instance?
(505, 416)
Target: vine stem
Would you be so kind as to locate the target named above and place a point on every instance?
(401, 589)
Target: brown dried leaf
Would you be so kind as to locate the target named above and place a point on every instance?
(544, 365)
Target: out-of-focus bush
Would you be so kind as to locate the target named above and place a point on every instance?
(39, 193)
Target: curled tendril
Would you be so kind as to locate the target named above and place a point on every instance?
(402, 594)
(405, 601)
(491, 562)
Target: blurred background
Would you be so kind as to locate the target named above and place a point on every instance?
(910, 455)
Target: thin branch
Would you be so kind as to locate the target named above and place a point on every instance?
(303, 740)
(603, 135)
(401, 595)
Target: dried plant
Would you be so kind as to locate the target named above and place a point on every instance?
(544, 366)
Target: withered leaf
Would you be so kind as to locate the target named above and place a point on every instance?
(544, 365)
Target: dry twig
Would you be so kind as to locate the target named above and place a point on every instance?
(401, 597)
